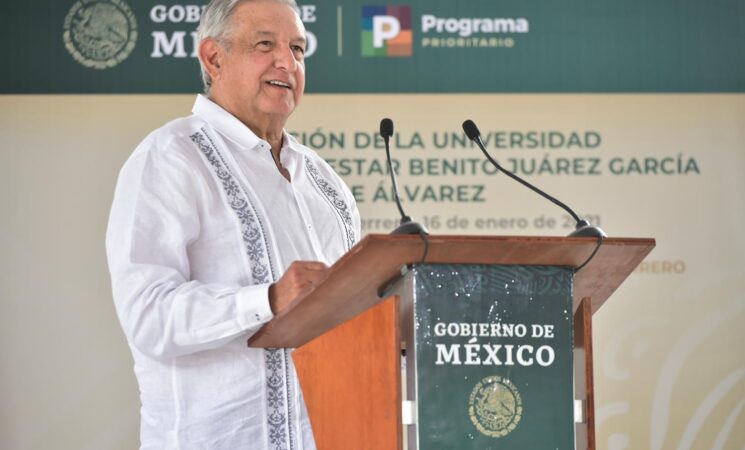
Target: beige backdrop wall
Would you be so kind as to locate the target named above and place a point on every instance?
(670, 370)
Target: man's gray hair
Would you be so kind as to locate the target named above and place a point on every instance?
(215, 23)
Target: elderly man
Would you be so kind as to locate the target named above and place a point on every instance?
(219, 219)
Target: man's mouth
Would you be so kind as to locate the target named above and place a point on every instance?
(279, 84)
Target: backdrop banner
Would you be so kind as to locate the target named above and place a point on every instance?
(141, 46)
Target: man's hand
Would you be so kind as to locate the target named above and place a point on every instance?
(299, 279)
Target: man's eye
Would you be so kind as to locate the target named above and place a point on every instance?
(264, 44)
(298, 49)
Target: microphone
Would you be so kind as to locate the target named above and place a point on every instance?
(582, 228)
(407, 225)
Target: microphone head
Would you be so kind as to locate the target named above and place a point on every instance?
(471, 130)
(386, 128)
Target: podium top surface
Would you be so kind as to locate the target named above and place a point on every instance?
(352, 284)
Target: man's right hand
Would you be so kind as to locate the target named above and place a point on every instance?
(299, 279)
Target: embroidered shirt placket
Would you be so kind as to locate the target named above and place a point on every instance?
(335, 200)
(280, 406)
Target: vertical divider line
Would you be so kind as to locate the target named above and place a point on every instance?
(339, 34)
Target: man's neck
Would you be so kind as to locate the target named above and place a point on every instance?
(274, 136)
(264, 126)
(270, 131)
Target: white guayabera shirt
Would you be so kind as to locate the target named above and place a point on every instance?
(202, 222)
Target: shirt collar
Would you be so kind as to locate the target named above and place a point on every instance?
(229, 125)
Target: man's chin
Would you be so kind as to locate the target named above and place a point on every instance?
(283, 109)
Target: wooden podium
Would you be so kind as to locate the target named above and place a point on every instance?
(349, 339)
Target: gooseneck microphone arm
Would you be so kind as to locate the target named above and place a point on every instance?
(583, 227)
(386, 131)
(407, 225)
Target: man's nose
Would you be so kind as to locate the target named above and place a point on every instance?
(284, 58)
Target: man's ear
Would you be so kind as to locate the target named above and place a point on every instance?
(211, 54)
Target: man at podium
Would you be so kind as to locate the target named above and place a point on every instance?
(218, 220)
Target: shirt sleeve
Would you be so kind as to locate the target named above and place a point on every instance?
(154, 218)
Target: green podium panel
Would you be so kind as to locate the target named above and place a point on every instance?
(492, 360)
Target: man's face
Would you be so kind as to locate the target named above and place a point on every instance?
(263, 72)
